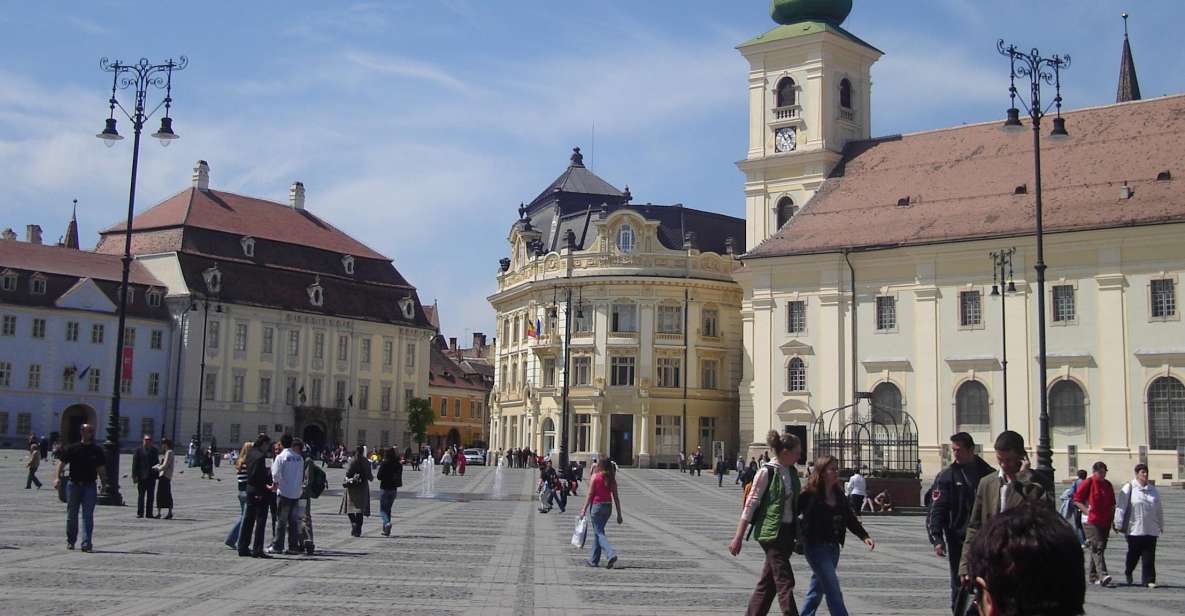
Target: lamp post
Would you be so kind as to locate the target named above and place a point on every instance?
(138, 76)
(1037, 69)
(1001, 271)
(213, 279)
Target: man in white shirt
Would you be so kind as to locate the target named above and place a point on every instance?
(288, 477)
(857, 490)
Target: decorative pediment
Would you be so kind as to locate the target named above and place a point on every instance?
(85, 295)
(1068, 358)
(797, 347)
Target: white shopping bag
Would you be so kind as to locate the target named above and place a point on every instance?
(580, 533)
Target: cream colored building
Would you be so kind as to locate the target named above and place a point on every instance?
(655, 332)
(903, 225)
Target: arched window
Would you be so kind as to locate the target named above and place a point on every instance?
(785, 93)
(1067, 405)
(786, 210)
(796, 375)
(625, 239)
(548, 425)
(845, 93)
(886, 400)
(1166, 413)
(971, 406)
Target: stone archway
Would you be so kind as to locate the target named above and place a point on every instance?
(72, 419)
(313, 436)
(454, 437)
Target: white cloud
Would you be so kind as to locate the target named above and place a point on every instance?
(404, 67)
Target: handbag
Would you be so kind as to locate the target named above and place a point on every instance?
(581, 533)
(352, 480)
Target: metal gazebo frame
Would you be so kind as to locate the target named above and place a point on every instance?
(885, 440)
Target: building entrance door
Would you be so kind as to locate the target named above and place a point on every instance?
(621, 439)
(801, 433)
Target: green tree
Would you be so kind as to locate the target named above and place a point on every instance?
(419, 417)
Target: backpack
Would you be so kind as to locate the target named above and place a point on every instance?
(317, 481)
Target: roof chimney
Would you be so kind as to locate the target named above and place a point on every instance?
(296, 196)
(201, 175)
(8, 234)
(33, 234)
(452, 344)
(479, 341)
(1125, 191)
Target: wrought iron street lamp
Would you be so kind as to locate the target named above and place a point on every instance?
(213, 279)
(1001, 271)
(1037, 69)
(139, 77)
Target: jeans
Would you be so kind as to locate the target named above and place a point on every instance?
(145, 492)
(32, 480)
(84, 494)
(954, 552)
(306, 525)
(559, 497)
(232, 538)
(777, 578)
(287, 523)
(1141, 547)
(1096, 540)
(599, 514)
(386, 501)
(254, 524)
(823, 559)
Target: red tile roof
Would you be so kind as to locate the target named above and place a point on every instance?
(241, 215)
(961, 183)
(70, 262)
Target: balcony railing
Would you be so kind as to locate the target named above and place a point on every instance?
(847, 114)
(789, 112)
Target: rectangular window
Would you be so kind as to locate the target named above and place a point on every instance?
(37, 286)
(211, 388)
(409, 360)
(316, 391)
(385, 439)
(456, 408)
(343, 348)
(1164, 299)
(8, 328)
(443, 407)
(94, 379)
(711, 323)
(362, 436)
(293, 343)
(34, 381)
(669, 369)
(886, 313)
(318, 345)
(269, 341)
(156, 340)
(8, 282)
(265, 390)
(72, 331)
(125, 426)
(670, 319)
(241, 337)
(625, 318)
(236, 388)
(24, 423)
(96, 334)
(1063, 303)
(5, 374)
(212, 336)
(154, 383)
(147, 426)
(363, 396)
(125, 383)
(388, 352)
(707, 432)
(68, 379)
(3, 422)
(582, 370)
(364, 351)
(709, 374)
(290, 391)
(262, 429)
(667, 433)
(38, 328)
(549, 372)
(621, 371)
(583, 431)
(970, 309)
(796, 317)
(408, 394)
(153, 299)
(129, 337)
(583, 323)
(385, 402)
(236, 434)
(339, 394)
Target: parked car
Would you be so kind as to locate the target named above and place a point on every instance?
(475, 456)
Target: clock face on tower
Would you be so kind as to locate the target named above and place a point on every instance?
(785, 139)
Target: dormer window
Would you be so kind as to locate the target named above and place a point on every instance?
(248, 244)
(786, 93)
(408, 306)
(37, 284)
(213, 279)
(348, 264)
(625, 239)
(153, 297)
(316, 292)
(8, 280)
(845, 93)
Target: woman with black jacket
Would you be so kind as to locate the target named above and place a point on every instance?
(356, 496)
(826, 519)
(390, 478)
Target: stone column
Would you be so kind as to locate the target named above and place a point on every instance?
(1108, 421)
(927, 407)
(595, 445)
(644, 436)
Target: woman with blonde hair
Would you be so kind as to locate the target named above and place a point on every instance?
(826, 519)
(232, 538)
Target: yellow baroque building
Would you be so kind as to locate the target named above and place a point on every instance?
(654, 332)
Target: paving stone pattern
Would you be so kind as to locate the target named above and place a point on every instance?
(477, 547)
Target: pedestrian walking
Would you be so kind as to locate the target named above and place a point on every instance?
(164, 479)
(827, 517)
(459, 461)
(1070, 511)
(1095, 498)
(1139, 515)
(951, 500)
(446, 461)
(746, 478)
(144, 461)
(32, 464)
(191, 454)
(770, 513)
(87, 463)
(857, 490)
(356, 497)
(390, 478)
(682, 462)
(697, 462)
(721, 468)
(232, 538)
(599, 504)
(740, 468)
(207, 464)
(259, 488)
(288, 477)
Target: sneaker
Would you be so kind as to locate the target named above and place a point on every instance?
(245, 554)
(1106, 581)
(87, 548)
(69, 546)
(291, 552)
(1128, 578)
(386, 530)
(271, 549)
(591, 564)
(611, 563)
(308, 548)
(1151, 584)
(261, 555)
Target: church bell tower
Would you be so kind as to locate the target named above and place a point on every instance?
(809, 95)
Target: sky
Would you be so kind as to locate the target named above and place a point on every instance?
(418, 126)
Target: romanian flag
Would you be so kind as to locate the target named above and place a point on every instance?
(532, 330)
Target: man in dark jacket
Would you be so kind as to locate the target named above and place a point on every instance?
(259, 485)
(951, 500)
(144, 461)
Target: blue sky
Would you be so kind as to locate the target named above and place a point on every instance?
(418, 126)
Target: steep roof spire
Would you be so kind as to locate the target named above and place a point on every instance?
(71, 239)
(1129, 86)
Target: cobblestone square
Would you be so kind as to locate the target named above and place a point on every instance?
(478, 547)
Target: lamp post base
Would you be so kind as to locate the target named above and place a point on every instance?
(109, 494)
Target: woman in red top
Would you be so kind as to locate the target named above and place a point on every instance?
(602, 494)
